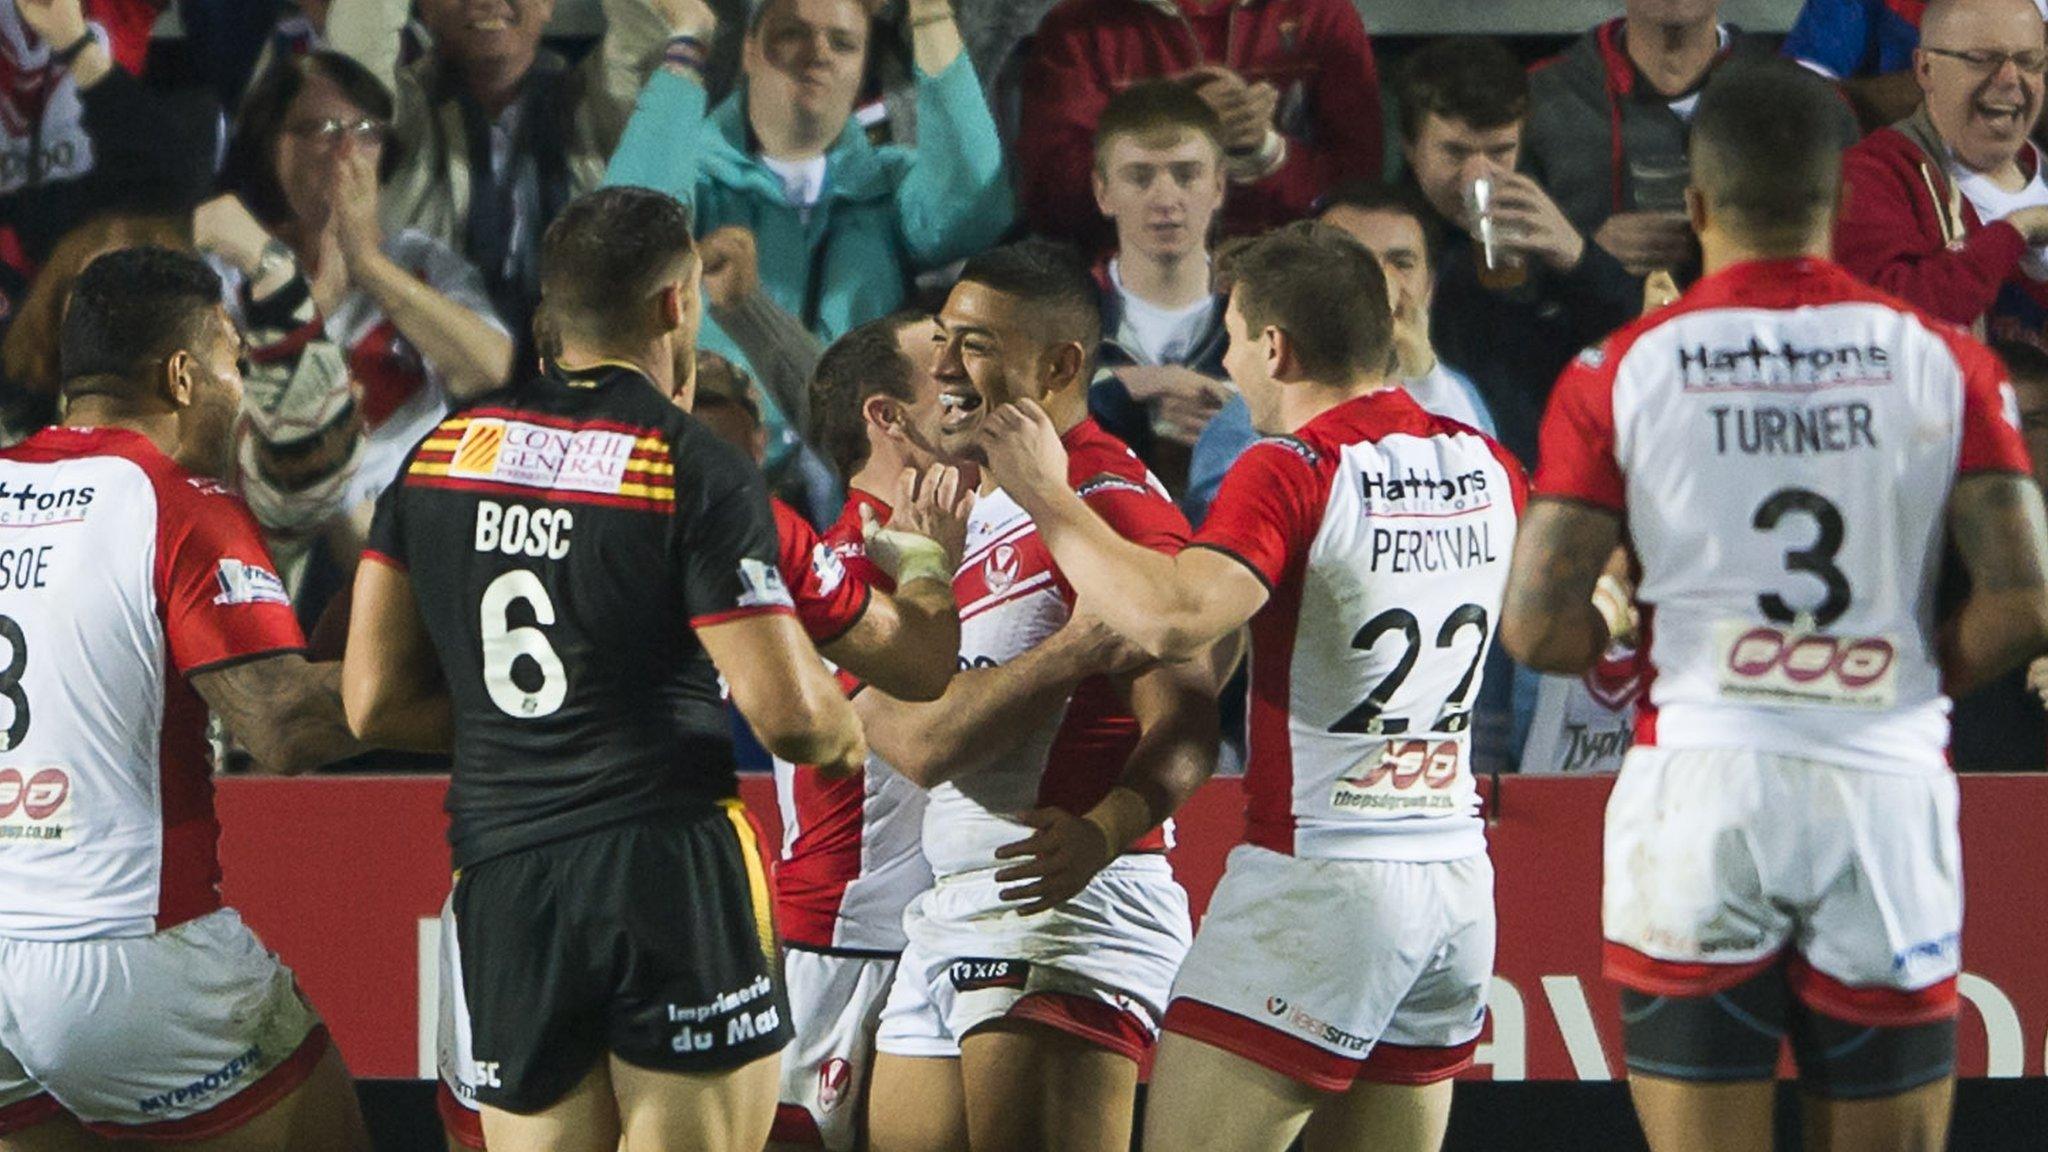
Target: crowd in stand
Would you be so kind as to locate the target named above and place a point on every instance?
(372, 178)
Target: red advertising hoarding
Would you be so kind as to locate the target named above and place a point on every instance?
(344, 877)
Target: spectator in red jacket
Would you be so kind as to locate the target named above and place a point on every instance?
(1949, 207)
(1292, 80)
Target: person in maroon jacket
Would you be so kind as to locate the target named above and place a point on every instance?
(1293, 81)
(1948, 208)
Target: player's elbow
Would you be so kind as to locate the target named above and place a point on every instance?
(2027, 616)
(1543, 644)
(365, 709)
(805, 725)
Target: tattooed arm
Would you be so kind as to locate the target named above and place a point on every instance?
(1549, 622)
(284, 710)
(1997, 524)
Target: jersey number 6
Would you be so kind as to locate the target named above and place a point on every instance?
(504, 645)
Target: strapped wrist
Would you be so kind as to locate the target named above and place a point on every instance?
(918, 557)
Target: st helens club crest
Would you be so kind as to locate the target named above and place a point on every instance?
(835, 1076)
(1000, 569)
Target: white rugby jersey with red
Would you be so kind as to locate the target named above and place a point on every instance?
(1783, 442)
(1012, 598)
(1383, 534)
(850, 855)
(121, 575)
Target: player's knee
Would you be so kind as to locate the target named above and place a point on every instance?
(1731, 1035)
(1839, 1060)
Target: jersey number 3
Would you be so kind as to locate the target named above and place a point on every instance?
(1819, 560)
(505, 645)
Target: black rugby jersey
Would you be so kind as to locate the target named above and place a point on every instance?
(563, 537)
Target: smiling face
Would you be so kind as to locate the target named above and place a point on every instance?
(986, 357)
(804, 63)
(921, 417)
(499, 34)
(1982, 112)
(1162, 191)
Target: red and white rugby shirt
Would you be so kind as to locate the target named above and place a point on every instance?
(1384, 534)
(850, 856)
(1783, 442)
(1012, 598)
(121, 575)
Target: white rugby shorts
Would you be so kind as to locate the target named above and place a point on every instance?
(835, 1002)
(1098, 967)
(1721, 863)
(185, 1034)
(1335, 971)
(455, 1098)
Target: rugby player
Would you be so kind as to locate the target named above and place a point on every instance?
(850, 852)
(1787, 452)
(1339, 979)
(1019, 1013)
(851, 858)
(561, 577)
(134, 597)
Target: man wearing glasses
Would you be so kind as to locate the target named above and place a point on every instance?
(1948, 208)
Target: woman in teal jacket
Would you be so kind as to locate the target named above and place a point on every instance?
(841, 226)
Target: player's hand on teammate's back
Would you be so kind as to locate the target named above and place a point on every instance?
(1054, 863)
(1024, 452)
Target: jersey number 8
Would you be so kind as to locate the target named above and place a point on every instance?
(504, 645)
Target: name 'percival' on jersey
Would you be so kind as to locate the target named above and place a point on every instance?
(1783, 442)
(121, 576)
(564, 538)
(1012, 598)
(1383, 534)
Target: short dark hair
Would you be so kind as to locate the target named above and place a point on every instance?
(131, 309)
(1321, 287)
(1154, 106)
(1399, 199)
(249, 169)
(1470, 78)
(1053, 280)
(1767, 144)
(865, 362)
(604, 258)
